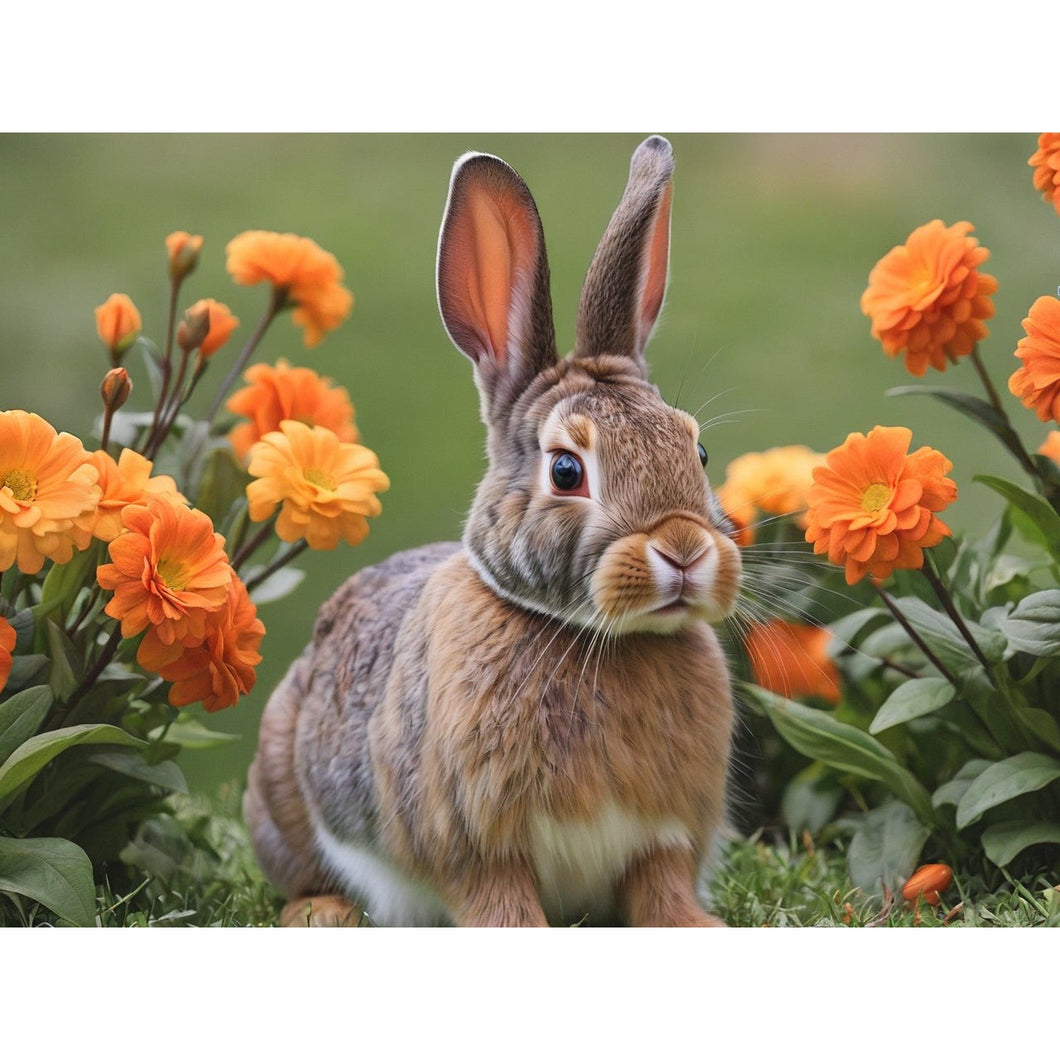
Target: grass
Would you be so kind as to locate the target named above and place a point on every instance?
(197, 869)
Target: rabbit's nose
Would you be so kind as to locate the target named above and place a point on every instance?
(681, 543)
(681, 561)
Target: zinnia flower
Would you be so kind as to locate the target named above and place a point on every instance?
(792, 659)
(300, 271)
(182, 251)
(1046, 162)
(118, 323)
(222, 668)
(222, 324)
(928, 298)
(1037, 383)
(873, 504)
(169, 573)
(7, 646)
(125, 481)
(47, 484)
(774, 481)
(326, 487)
(286, 393)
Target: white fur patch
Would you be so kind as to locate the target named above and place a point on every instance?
(389, 897)
(578, 863)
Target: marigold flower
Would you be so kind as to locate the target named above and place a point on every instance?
(775, 481)
(169, 573)
(928, 298)
(127, 480)
(1046, 162)
(220, 327)
(326, 487)
(222, 668)
(7, 646)
(183, 252)
(792, 659)
(1037, 382)
(47, 484)
(1051, 446)
(300, 270)
(118, 323)
(927, 883)
(873, 504)
(286, 393)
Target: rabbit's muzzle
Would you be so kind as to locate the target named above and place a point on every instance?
(680, 571)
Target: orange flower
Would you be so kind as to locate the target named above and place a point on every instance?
(792, 660)
(7, 646)
(169, 573)
(873, 504)
(300, 271)
(220, 669)
(47, 484)
(928, 298)
(927, 883)
(125, 481)
(1037, 382)
(326, 487)
(183, 252)
(1046, 162)
(118, 323)
(1051, 446)
(286, 393)
(222, 324)
(775, 481)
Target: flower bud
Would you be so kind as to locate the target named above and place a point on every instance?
(193, 329)
(115, 389)
(221, 325)
(927, 883)
(183, 250)
(118, 324)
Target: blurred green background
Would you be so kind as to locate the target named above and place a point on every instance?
(773, 237)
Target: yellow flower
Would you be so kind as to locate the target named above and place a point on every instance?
(326, 487)
(928, 298)
(48, 484)
(300, 272)
(873, 503)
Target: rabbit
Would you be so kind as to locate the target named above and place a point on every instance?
(532, 726)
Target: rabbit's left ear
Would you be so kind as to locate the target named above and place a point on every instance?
(626, 281)
(493, 283)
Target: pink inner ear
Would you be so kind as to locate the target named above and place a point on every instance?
(491, 242)
(658, 254)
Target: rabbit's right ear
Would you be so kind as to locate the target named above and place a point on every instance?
(493, 284)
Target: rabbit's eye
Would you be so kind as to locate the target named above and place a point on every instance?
(567, 473)
(702, 454)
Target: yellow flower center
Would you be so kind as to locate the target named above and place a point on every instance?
(172, 573)
(320, 479)
(875, 497)
(22, 484)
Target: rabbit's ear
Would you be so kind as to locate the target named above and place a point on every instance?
(493, 285)
(626, 281)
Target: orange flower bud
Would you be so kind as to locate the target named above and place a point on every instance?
(927, 883)
(183, 252)
(220, 325)
(118, 324)
(115, 389)
(193, 329)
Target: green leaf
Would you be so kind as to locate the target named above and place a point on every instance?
(886, 847)
(33, 755)
(1033, 626)
(1003, 841)
(21, 717)
(942, 635)
(223, 483)
(952, 791)
(54, 872)
(26, 670)
(912, 699)
(1005, 780)
(188, 731)
(63, 678)
(131, 763)
(811, 798)
(819, 736)
(65, 580)
(277, 585)
(1043, 524)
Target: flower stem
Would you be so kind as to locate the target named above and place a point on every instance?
(247, 549)
(89, 679)
(988, 384)
(276, 303)
(280, 561)
(913, 635)
(153, 439)
(950, 607)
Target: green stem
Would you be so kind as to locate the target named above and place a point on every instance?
(104, 657)
(950, 608)
(280, 561)
(245, 551)
(913, 635)
(153, 441)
